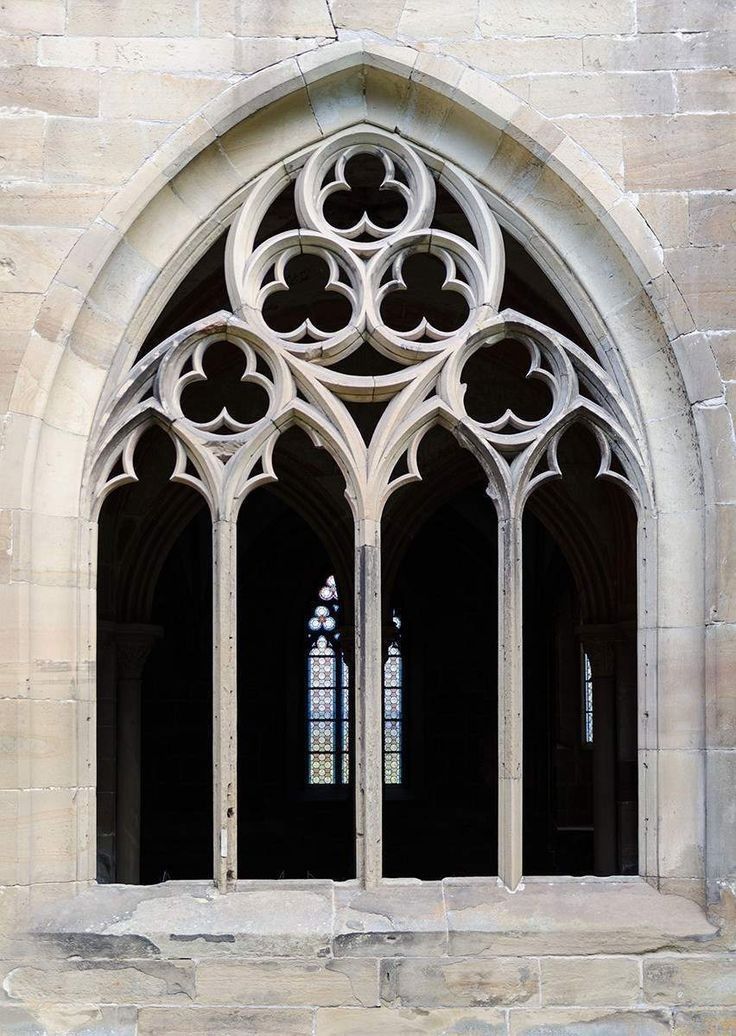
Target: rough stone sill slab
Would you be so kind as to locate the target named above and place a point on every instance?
(457, 916)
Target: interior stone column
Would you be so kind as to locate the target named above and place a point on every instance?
(133, 643)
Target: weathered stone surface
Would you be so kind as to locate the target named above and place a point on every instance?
(55, 91)
(704, 91)
(704, 1023)
(101, 981)
(590, 981)
(712, 218)
(30, 256)
(660, 50)
(513, 57)
(382, 16)
(407, 1022)
(32, 16)
(98, 152)
(422, 18)
(155, 97)
(684, 15)
(705, 981)
(666, 212)
(293, 982)
(580, 1022)
(400, 919)
(42, 1019)
(694, 151)
(192, 918)
(289, 18)
(556, 18)
(704, 276)
(610, 93)
(459, 982)
(67, 205)
(223, 1021)
(568, 917)
(21, 155)
(157, 18)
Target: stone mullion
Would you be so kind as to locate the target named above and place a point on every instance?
(510, 701)
(368, 710)
(224, 701)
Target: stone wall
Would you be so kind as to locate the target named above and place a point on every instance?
(92, 89)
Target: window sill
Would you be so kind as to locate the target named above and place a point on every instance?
(458, 916)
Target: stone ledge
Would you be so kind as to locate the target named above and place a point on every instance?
(459, 917)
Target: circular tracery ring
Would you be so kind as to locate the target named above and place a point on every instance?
(415, 186)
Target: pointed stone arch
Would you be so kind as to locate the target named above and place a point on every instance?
(577, 224)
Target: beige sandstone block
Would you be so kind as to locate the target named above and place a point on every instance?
(681, 787)
(459, 982)
(666, 212)
(661, 50)
(705, 276)
(140, 53)
(21, 147)
(285, 127)
(680, 675)
(698, 367)
(712, 218)
(98, 152)
(721, 858)
(424, 18)
(183, 1021)
(123, 18)
(723, 601)
(40, 835)
(601, 138)
(581, 1022)
(680, 586)
(38, 745)
(707, 91)
(289, 982)
(704, 981)
(555, 17)
(288, 18)
(406, 1022)
(692, 151)
(712, 1022)
(636, 93)
(30, 256)
(104, 981)
(685, 15)
(509, 57)
(54, 91)
(18, 311)
(590, 981)
(381, 16)
(154, 96)
(32, 16)
(18, 50)
(50, 205)
(723, 344)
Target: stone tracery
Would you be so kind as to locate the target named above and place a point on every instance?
(294, 369)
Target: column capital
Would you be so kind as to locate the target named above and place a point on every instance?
(133, 642)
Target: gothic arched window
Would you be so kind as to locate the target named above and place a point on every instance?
(485, 459)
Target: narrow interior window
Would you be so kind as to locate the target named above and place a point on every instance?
(587, 700)
(393, 708)
(328, 694)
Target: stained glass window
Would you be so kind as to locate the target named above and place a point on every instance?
(393, 708)
(328, 697)
(587, 700)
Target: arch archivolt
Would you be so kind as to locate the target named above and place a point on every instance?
(295, 368)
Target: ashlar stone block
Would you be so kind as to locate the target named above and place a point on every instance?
(590, 981)
(154, 18)
(704, 981)
(582, 1022)
(142, 982)
(555, 17)
(408, 1022)
(459, 982)
(289, 983)
(222, 1021)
